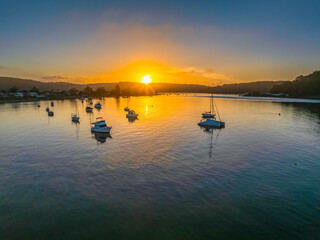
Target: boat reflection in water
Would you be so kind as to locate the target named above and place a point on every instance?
(212, 131)
(132, 120)
(101, 137)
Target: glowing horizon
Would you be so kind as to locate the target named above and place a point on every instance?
(101, 42)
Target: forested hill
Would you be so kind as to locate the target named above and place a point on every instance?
(24, 84)
(237, 88)
(302, 86)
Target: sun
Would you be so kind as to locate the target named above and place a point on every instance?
(146, 79)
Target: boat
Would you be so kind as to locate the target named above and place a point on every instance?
(52, 104)
(211, 113)
(127, 109)
(75, 117)
(209, 118)
(50, 113)
(208, 115)
(47, 109)
(211, 123)
(100, 126)
(89, 109)
(38, 105)
(132, 114)
(97, 105)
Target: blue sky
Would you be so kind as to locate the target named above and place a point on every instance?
(235, 40)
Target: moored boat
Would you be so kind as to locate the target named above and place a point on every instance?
(98, 105)
(208, 115)
(211, 123)
(132, 114)
(211, 113)
(89, 109)
(100, 126)
(75, 117)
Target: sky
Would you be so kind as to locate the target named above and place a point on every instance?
(210, 42)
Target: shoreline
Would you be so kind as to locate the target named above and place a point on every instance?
(217, 95)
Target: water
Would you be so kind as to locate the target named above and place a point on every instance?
(160, 177)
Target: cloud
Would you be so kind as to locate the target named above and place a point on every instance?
(58, 78)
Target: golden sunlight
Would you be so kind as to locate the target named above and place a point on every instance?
(146, 79)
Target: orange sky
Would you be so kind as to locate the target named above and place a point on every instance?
(102, 42)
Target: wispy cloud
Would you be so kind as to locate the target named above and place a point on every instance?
(58, 78)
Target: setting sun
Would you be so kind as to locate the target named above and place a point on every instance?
(146, 79)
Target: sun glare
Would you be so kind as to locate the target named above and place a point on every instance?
(146, 79)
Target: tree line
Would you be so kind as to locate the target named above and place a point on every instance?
(302, 86)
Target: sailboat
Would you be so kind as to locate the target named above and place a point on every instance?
(211, 113)
(127, 109)
(211, 122)
(75, 117)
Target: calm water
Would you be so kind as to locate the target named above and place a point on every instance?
(160, 177)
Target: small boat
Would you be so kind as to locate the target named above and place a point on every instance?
(211, 113)
(211, 123)
(97, 105)
(208, 115)
(47, 109)
(52, 104)
(38, 105)
(127, 109)
(75, 117)
(209, 118)
(50, 113)
(89, 109)
(100, 126)
(132, 114)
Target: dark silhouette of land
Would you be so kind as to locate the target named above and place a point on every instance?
(303, 86)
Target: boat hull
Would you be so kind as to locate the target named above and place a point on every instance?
(211, 124)
(207, 115)
(132, 115)
(101, 130)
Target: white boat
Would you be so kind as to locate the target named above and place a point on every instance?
(211, 123)
(89, 109)
(75, 117)
(100, 126)
(97, 105)
(132, 114)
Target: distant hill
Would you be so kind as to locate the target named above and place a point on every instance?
(25, 84)
(302, 86)
(238, 88)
